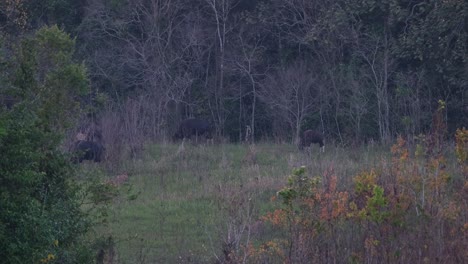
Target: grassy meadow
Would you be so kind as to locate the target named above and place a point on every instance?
(207, 203)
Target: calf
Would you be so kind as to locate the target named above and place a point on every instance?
(88, 150)
(193, 127)
(311, 136)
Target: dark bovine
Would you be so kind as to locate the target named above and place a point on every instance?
(311, 137)
(189, 128)
(88, 150)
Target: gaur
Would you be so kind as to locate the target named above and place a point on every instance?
(88, 150)
(312, 137)
(193, 127)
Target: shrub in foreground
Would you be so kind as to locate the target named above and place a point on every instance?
(411, 210)
(40, 216)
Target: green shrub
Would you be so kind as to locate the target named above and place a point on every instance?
(40, 216)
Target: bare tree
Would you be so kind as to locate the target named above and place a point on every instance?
(146, 50)
(375, 52)
(410, 104)
(247, 65)
(220, 14)
(358, 104)
(291, 93)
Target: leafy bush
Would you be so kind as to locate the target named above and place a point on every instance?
(40, 216)
(40, 204)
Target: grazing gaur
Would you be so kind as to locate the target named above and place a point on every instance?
(88, 150)
(311, 137)
(193, 127)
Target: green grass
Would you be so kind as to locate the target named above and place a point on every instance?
(188, 196)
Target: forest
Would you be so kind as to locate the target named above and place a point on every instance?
(354, 70)
(384, 81)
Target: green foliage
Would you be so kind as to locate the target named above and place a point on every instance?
(375, 204)
(371, 196)
(299, 186)
(40, 216)
(48, 77)
(55, 47)
(40, 203)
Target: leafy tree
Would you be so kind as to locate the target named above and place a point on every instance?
(40, 216)
(48, 77)
(40, 203)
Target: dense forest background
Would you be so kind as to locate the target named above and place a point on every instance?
(354, 70)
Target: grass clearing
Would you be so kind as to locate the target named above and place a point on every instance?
(192, 197)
